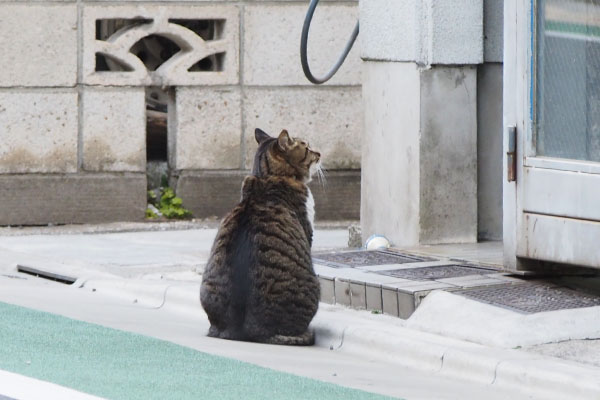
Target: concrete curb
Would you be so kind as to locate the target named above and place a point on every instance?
(530, 374)
(386, 338)
(175, 296)
(449, 315)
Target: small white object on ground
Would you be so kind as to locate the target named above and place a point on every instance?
(375, 242)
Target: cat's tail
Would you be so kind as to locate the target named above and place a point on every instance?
(305, 339)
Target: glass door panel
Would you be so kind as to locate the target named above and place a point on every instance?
(567, 79)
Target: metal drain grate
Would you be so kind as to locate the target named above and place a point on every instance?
(532, 298)
(67, 280)
(436, 272)
(363, 258)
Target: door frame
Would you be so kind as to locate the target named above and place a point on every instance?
(517, 93)
(566, 229)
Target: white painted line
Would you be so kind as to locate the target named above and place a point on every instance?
(24, 388)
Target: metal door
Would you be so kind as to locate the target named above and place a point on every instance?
(552, 163)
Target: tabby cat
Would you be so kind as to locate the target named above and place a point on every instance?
(259, 284)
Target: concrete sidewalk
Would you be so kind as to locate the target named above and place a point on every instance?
(451, 336)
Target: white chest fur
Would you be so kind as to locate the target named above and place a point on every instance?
(310, 209)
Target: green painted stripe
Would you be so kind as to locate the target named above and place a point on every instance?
(120, 365)
(568, 27)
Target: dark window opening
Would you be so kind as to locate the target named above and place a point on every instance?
(207, 29)
(213, 62)
(105, 28)
(154, 50)
(105, 62)
(156, 124)
(157, 143)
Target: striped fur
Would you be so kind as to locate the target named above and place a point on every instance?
(259, 284)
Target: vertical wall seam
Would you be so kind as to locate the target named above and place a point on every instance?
(420, 73)
(79, 86)
(429, 38)
(172, 127)
(241, 84)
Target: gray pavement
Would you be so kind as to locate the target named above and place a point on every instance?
(147, 282)
(586, 351)
(131, 253)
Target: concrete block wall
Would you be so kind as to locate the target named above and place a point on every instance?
(37, 61)
(273, 94)
(39, 130)
(105, 112)
(207, 129)
(73, 134)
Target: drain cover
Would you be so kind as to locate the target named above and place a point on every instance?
(436, 272)
(532, 298)
(52, 276)
(365, 257)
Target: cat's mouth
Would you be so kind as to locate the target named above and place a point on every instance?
(315, 157)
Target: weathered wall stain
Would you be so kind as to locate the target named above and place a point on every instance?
(22, 160)
(100, 156)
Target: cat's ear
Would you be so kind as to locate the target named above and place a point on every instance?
(260, 135)
(284, 140)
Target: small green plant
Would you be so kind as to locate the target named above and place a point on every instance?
(151, 214)
(375, 312)
(168, 205)
(171, 206)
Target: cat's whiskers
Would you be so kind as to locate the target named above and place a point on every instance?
(321, 174)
